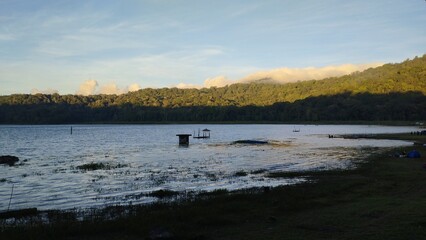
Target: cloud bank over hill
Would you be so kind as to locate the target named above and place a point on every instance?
(278, 75)
(90, 87)
(46, 91)
(287, 75)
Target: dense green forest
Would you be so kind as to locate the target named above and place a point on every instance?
(391, 92)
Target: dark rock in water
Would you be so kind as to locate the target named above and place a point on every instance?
(9, 160)
(250, 142)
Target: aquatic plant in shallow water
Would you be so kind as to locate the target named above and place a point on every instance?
(241, 173)
(99, 166)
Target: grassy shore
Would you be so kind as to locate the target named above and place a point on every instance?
(383, 198)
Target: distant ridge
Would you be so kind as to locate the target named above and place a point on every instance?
(406, 81)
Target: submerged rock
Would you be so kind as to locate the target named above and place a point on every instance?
(9, 160)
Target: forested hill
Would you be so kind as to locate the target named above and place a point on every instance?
(402, 77)
(369, 92)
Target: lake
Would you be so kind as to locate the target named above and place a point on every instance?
(139, 159)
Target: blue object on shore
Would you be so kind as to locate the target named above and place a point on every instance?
(413, 154)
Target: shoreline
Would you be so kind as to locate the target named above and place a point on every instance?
(377, 123)
(383, 196)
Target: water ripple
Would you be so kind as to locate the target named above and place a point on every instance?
(134, 160)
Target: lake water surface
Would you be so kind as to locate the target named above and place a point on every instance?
(145, 158)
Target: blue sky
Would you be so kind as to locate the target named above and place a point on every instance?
(59, 44)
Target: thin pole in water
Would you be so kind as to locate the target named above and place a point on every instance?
(10, 199)
(71, 130)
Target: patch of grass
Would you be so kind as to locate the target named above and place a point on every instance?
(259, 171)
(241, 173)
(93, 166)
(97, 166)
(311, 173)
(21, 213)
(416, 139)
(216, 192)
(211, 176)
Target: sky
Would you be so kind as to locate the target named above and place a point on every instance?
(109, 46)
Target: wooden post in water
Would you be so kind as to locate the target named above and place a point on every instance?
(71, 130)
(10, 199)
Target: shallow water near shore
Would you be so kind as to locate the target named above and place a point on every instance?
(100, 165)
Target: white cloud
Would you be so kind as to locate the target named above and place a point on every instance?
(88, 88)
(133, 87)
(285, 75)
(219, 81)
(184, 64)
(46, 91)
(7, 37)
(244, 10)
(110, 88)
(186, 85)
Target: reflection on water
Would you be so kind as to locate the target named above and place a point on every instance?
(102, 165)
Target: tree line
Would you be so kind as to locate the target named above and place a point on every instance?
(409, 106)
